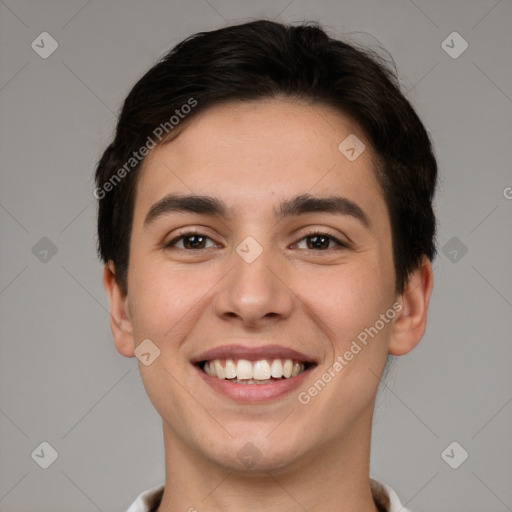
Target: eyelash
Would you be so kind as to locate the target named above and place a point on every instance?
(188, 234)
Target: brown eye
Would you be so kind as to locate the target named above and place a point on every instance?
(190, 241)
(321, 241)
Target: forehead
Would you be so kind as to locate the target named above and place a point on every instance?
(278, 129)
(260, 152)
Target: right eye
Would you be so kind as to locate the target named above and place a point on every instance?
(191, 240)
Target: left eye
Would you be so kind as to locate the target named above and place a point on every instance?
(320, 241)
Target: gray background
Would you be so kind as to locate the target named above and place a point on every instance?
(61, 379)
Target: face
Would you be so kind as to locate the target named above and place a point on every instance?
(260, 284)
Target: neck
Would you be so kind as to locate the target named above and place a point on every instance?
(333, 478)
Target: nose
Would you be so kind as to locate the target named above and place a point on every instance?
(255, 294)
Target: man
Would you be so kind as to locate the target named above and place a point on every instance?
(266, 224)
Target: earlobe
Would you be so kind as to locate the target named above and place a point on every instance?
(409, 326)
(120, 321)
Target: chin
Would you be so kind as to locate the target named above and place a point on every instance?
(257, 452)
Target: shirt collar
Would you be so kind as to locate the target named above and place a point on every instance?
(385, 499)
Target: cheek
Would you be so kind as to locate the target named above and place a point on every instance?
(349, 303)
(171, 305)
(162, 301)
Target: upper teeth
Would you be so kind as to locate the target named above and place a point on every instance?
(262, 369)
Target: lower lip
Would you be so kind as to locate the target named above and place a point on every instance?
(254, 392)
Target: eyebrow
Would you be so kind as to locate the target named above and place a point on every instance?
(213, 207)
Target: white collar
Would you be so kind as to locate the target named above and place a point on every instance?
(150, 499)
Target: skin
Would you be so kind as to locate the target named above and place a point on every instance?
(253, 155)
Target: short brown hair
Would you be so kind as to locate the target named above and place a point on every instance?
(265, 59)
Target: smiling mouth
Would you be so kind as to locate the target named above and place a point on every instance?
(262, 371)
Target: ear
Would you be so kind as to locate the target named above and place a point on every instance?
(411, 322)
(120, 322)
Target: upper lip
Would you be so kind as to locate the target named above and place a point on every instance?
(252, 353)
